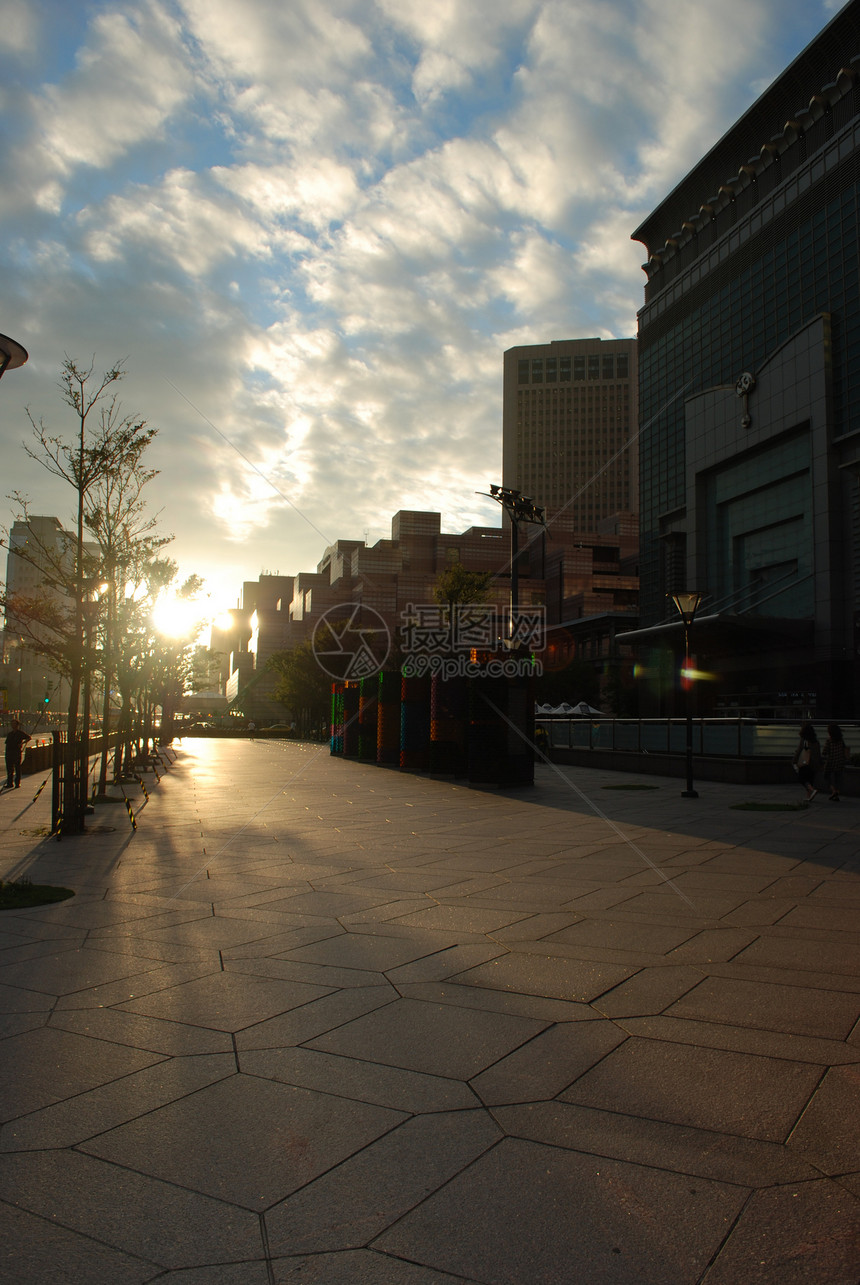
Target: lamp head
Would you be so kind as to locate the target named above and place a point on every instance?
(688, 604)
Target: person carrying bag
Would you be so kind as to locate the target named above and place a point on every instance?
(807, 760)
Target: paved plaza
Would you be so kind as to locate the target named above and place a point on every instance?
(326, 1023)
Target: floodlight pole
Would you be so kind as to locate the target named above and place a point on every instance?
(687, 605)
(519, 508)
(515, 571)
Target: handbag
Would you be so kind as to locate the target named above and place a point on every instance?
(805, 755)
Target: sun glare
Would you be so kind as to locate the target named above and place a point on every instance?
(176, 617)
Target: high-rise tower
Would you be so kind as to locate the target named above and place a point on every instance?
(569, 425)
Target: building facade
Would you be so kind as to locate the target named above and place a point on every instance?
(569, 428)
(749, 367)
(36, 549)
(587, 585)
(389, 577)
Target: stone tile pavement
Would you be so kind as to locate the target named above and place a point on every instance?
(323, 1022)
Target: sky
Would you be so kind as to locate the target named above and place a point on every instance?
(310, 228)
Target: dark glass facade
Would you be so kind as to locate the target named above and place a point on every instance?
(808, 266)
(732, 280)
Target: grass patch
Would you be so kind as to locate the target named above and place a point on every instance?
(637, 786)
(22, 894)
(770, 807)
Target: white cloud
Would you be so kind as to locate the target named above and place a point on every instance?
(315, 192)
(304, 75)
(130, 77)
(19, 27)
(268, 41)
(455, 40)
(605, 250)
(128, 82)
(323, 221)
(181, 220)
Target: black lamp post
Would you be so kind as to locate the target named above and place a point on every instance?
(688, 605)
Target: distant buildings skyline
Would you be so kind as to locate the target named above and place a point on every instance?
(586, 585)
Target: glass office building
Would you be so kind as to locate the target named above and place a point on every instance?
(749, 368)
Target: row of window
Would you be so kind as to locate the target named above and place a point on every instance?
(580, 452)
(529, 394)
(552, 370)
(540, 425)
(533, 399)
(612, 419)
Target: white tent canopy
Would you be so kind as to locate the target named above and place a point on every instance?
(581, 710)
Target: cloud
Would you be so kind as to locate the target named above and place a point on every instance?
(305, 76)
(183, 220)
(130, 77)
(304, 41)
(19, 28)
(314, 227)
(316, 192)
(455, 41)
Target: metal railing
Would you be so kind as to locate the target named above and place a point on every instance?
(712, 737)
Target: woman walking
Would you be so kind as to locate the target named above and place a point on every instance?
(835, 758)
(807, 759)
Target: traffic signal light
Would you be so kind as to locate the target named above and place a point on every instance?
(46, 699)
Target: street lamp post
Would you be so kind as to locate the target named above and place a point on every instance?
(687, 605)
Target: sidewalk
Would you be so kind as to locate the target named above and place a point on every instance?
(325, 1023)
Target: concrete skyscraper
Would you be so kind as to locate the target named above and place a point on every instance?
(569, 426)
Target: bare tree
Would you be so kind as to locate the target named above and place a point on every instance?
(83, 577)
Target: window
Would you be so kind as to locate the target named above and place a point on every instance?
(523, 370)
(609, 366)
(564, 369)
(579, 368)
(594, 368)
(551, 370)
(537, 370)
